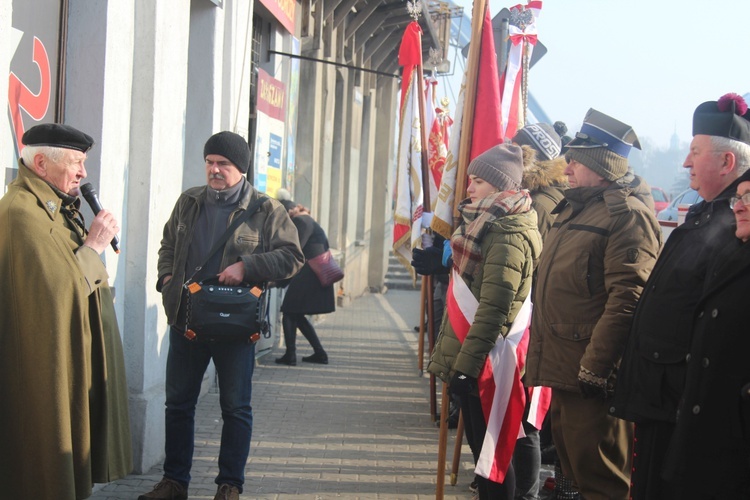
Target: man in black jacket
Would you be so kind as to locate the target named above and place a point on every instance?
(651, 379)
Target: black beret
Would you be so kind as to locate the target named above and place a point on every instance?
(57, 136)
(728, 117)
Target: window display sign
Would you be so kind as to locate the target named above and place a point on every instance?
(269, 135)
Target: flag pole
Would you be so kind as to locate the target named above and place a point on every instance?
(467, 121)
(420, 348)
(426, 293)
(442, 443)
(457, 448)
(464, 153)
(415, 10)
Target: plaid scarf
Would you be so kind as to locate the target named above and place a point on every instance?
(467, 239)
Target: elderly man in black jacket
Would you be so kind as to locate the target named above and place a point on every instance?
(711, 440)
(652, 375)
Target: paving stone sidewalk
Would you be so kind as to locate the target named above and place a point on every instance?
(358, 428)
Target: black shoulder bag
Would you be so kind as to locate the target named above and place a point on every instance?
(218, 312)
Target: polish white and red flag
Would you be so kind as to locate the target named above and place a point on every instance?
(485, 130)
(407, 217)
(501, 391)
(437, 139)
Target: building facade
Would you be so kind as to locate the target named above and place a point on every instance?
(311, 85)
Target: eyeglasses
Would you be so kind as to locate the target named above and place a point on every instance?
(594, 143)
(745, 199)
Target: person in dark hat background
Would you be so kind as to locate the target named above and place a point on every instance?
(595, 262)
(562, 130)
(652, 377)
(543, 170)
(544, 177)
(264, 248)
(494, 249)
(63, 398)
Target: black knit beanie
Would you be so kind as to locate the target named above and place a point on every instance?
(501, 166)
(231, 146)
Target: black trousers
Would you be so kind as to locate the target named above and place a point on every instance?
(291, 323)
(475, 428)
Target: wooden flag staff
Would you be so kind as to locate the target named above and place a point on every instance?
(426, 294)
(464, 153)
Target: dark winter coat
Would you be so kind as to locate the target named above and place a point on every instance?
(652, 374)
(712, 434)
(63, 394)
(267, 244)
(305, 294)
(510, 249)
(546, 183)
(596, 259)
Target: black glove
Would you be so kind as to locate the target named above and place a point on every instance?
(462, 384)
(592, 385)
(427, 261)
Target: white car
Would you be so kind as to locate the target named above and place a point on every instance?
(687, 197)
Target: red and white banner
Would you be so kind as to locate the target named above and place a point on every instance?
(407, 218)
(522, 46)
(486, 130)
(437, 140)
(541, 397)
(500, 388)
(503, 398)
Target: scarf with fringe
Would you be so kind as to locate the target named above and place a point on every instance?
(466, 241)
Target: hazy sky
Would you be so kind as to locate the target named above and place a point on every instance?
(646, 63)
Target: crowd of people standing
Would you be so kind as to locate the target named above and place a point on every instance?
(642, 342)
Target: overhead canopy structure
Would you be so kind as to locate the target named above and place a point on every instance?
(372, 29)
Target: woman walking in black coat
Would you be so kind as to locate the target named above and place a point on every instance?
(305, 294)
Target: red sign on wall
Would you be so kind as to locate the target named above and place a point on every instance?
(283, 10)
(33, 78)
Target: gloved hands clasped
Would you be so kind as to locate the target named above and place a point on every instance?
(436, 258)
(462, 384)
(593, 385)
(428, 261)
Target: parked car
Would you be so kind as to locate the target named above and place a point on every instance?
(661, 199)
(687, 197)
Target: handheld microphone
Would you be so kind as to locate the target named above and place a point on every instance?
(89, 194)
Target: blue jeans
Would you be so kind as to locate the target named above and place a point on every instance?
(186, 364)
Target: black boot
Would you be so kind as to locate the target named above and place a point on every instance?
(320, 358)
(287, 359)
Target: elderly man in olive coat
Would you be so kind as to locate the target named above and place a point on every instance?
(596, 259)
(63, 397)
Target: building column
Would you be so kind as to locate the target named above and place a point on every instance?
(381, 239)
(154, 180)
